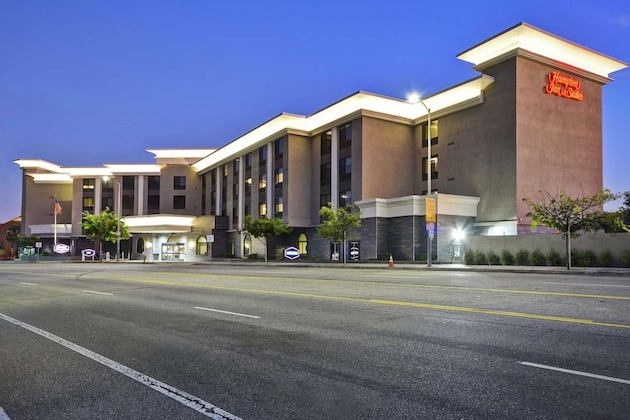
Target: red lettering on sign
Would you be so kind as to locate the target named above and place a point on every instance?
(563, 86)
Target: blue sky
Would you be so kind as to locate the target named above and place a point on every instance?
(84, 83)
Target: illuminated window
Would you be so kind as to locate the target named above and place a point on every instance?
(262, 209)
(88, 203)
(434, 167)
(279, 176)
(247, 244)
(202, 246)
(279, 206)
(434, 134)
(302, 244)
(88, 183)
(262, 181)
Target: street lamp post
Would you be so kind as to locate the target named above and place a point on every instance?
(118, 215)
(414, 98)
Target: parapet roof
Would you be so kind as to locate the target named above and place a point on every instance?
(527, 38)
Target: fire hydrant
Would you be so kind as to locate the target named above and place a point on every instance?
(391, 261)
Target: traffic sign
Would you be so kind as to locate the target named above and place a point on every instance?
(291, 253)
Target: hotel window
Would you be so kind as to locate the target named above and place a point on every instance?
(179, 202)
(326, 139)
(345, 198)
(262, 181)
(345, 167)
(202, 246)
(153, 204)
(237, 165)
(248, 185)
(345, 136)
(153, 182)
(262, 155)
(88, 183)
(127, 205)
(225, 170)
(434, 167)
(179, 182)
(324, 200)
(434, 134)
(107, 202)
(128, 182)
(279, 177)
(88, 203)
(324, 177)
(279, 147)
(235, 191)
(262, 209)
(248, 210)
(248, 160)
(279, 206)
(302, 244)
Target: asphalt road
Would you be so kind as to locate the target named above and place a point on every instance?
(183, 341)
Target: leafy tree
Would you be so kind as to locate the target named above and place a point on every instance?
(625, 210)
(572, 215)
(265, 228)
(12, 235)
(103, 226)
(339, 225)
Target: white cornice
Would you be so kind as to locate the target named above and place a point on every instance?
(355, 104)
(525, 37)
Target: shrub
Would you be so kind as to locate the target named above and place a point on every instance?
(625, 258)
(522, 257)
(605, 258)
(254, 257)
(507, 258)
(469, 257)
(480, 258)
(537, 258)
(584, 258)
(554, 258)
(493, 258)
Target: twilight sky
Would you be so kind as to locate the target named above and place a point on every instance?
(84, 83)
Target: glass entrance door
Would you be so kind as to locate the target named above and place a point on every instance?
(173, 252)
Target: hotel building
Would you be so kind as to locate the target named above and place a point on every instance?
(530, 121)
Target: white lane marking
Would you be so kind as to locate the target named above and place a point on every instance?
(98, 293)
(28, 284)
(226, 312)
(3, 415)
(585, 284)
(576, 372)
(197, 404)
